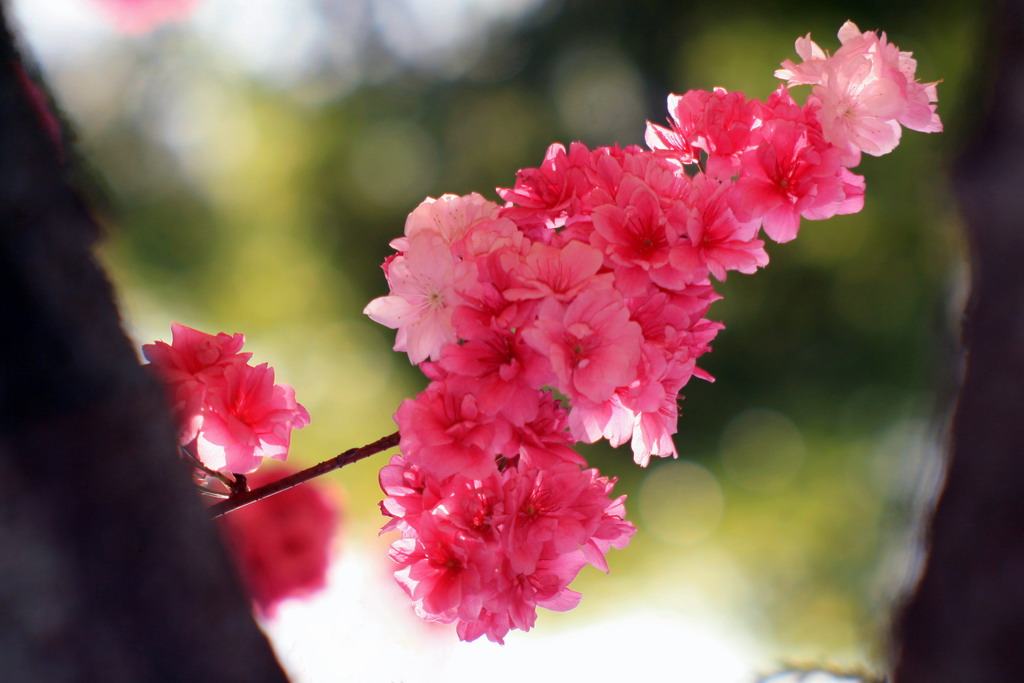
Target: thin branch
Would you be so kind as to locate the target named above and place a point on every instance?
(347, 458)
(229, 483)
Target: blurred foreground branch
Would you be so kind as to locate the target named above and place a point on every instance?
(110, 567)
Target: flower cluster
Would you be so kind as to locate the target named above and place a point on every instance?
(593, 281)
(231, 414)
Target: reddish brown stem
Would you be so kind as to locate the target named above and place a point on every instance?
(347, 458)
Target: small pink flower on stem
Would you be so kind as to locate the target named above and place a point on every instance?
(231, 413)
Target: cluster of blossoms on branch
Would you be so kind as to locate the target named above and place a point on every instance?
(576, 312)
(232, 415)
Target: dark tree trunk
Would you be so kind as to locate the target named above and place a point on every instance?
(965, 621)
(110, 569)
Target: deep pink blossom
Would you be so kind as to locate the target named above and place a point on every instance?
(444, 432)
(552, 194)
(637, 234)
(718, 124)
(246, 417)
(716, 241)
(501, 370)
(486, 552)
(792, 172)
(592, 344)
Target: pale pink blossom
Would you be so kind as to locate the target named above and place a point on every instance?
(865, 90)
(451, 217)
(425, 284)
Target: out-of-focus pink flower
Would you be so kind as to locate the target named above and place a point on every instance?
(140, 16)
(282, 545)
(231, 412)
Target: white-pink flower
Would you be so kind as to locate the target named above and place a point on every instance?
(425, 286)
(865, 91)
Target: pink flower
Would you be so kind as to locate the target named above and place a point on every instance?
(716, 241)
(592, 344)
(447, 574)
(718, 123)
(444, 433)
(552, 194)
(793, 172)
(282, 546)
(593, 283)
(501, 370)
(637, 235)
(140, 16)
(865, 90)
(451, 217)
(232, 412)
(425, 286)
(561, 273)
(487, 551)
(685, 138)
(246, 417)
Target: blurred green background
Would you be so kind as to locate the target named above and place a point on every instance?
(252, 164)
